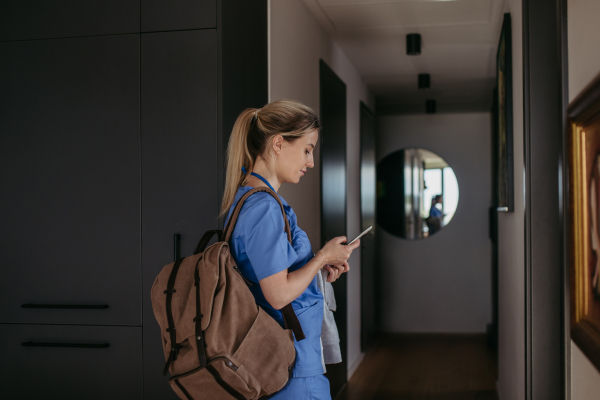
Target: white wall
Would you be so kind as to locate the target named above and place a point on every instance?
(442, 283)
(584, 65)
(297, 42)
(511, 243)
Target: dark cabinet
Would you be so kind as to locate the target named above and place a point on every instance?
(110, 144)
(70, 362)
(169, 15)
(179, 164)
(70, 178)
(43, 19)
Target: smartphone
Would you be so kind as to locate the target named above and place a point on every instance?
(359, 236)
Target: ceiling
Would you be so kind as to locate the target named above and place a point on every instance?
(459, 42)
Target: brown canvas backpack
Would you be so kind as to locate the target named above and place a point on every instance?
(218, 343)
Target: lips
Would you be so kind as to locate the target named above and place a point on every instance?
(303, 172)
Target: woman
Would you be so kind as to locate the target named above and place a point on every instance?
(435, 220)
(268, 147)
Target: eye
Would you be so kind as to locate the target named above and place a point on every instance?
(307, 152)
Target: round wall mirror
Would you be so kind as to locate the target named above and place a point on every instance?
(417, 193)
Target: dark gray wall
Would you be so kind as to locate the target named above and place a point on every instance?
(441, 284)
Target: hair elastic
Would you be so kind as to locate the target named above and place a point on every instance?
(244, 170)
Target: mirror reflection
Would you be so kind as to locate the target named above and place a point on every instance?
(417, 193)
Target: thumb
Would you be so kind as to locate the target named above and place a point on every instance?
(341, 239)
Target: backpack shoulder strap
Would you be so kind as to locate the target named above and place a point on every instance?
(289, 316)
(228, 231)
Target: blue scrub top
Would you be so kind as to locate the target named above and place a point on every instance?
(435, 212)
(261, 248)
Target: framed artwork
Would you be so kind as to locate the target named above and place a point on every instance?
(504, 119)
(584, 219)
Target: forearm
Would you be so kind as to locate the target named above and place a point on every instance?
(279, 291)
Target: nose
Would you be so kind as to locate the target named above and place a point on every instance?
(310, 163)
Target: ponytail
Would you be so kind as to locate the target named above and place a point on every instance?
(251, 133)
(238, 156)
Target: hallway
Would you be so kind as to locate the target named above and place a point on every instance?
(425, 367)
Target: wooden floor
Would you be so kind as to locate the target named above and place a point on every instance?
(425, 367)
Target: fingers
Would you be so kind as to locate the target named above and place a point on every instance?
(342, 268)
(340, 239)
(333, 273)
(346, 267)
(336, 251)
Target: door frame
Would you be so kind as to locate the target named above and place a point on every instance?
(336, 373)
(545, 99)
(367, 334)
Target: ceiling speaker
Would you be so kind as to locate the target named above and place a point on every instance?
(413, 44)
(424, 82)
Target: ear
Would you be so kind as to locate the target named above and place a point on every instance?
(277, 143)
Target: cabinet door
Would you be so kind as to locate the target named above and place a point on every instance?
(70, 178)
(70, 362)
(43, 19)
(179, 164)
(168, 15)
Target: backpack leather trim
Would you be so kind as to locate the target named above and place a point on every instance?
(185, 392)
(198, 322)
(169, 292)
(213, 371)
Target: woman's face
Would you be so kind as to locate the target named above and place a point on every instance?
(293, 158)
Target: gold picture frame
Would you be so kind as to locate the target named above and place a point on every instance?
(584, 219)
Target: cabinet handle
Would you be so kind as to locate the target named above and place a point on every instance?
(54, 344)
(71, 306)
(176, 246)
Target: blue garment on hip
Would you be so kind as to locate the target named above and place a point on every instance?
(261, 248)
(307, 388)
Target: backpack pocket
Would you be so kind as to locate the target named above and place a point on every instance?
(266, 355)
(217, 381)
(222, 378)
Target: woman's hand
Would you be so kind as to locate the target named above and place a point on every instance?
(335, 256)
(335, 271)
(336, 253)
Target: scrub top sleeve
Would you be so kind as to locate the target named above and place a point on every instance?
(266, 242)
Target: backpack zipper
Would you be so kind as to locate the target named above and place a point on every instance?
(228, 363)
(240, 272)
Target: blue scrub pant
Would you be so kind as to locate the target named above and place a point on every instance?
(308, 388)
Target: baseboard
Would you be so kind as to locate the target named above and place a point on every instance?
(352, 369)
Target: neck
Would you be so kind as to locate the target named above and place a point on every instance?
(261, 168)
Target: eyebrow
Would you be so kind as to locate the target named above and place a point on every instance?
(310, 144)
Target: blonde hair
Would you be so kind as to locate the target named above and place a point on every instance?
(251, 134)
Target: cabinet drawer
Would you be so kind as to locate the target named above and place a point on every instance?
(70, 362)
